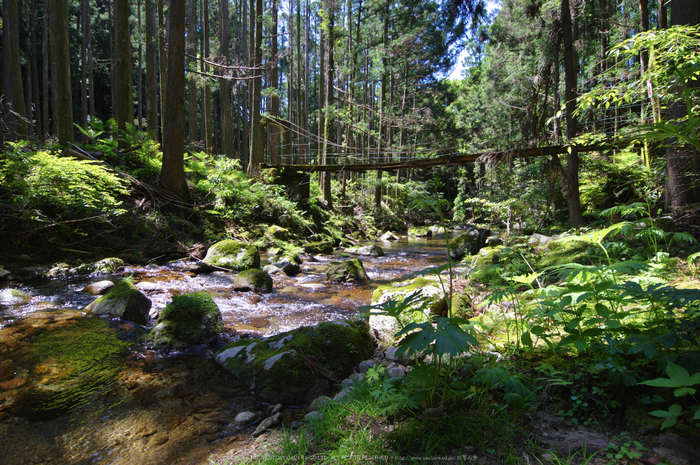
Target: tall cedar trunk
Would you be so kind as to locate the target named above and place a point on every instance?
(330, 78)
(60, 72)
(172, 175)
(91, 66)
(191, 85)
(208, 117)
(245, 90)
(45, 70)
(273, 131)
(572, 191)
(28, 97)
(682, 163)
(382, 109)
(151, 83)
(12, 81)
(139, 79)
(299, 91)
(256, 152)
(162, 60)
(661, 16)
(225, 84)
(84, 109)
(35, 70)
(305, 125)
(123, 105)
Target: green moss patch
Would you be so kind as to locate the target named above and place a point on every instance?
(299, 365)
(189, 319)
(233, 255)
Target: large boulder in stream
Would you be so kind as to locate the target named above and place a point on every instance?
(295, 367)
(366, 250)
(419, 232)
(468, 243)
(122, 301)
(233, 255)
(189, 319)
(349, 271)
(14, 297)
(324, 247)
(253, 280)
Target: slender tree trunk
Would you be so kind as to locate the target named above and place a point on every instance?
(83, 65)
(172, 175)
(327, 197)
(139, 78)
(299, 91)
(573, 197)
(273, 130)
(60, 72)
(91, 65)
(661, 14)
(45, 70)
(682, 162)
(208, 117)
(225, 84)
(123, 105)
(256, 153)
(35, 70)
(192, 113)
(162, 60)
(151, 83)
(14, 90)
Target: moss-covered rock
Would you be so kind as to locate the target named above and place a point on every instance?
(430, 293)
(107, 265)
(277, 233)
(468, 243)
(122, 301)
(295, 367)
(349, 271)
(325, 247)
(366, 250)
(388, 236)
(288, 265)
(189, 319)
(253, 280)
(14, 297)
(233, 255)
(419, 232)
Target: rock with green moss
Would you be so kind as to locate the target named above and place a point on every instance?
(324, 247)
(122, 301)
(107, 265)
(366, 250)
(388, 236)
(253, 280)
(189, 319)
(437, 230)
(277, 233)
(349, 271)
(295, 367)
(288, 265)
(233, 255)
(4, 274)
(430, 294)
(468, 243)
(419, 232)
(14, 297)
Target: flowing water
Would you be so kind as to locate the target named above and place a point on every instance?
(77, 389)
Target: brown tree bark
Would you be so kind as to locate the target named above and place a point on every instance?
(225, 84)
(256, 152)
(151, 82)
(12, 72)
(273, 131)
(123, 106)
(191, 85)
(572, 191)
(172, 175)
(682, 163)
(60, 72)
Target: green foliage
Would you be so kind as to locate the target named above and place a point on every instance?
(227, 193)
(51, 188)
(681, 382)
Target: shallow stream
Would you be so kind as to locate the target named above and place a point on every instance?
(78, 390)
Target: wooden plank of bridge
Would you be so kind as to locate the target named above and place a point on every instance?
(445, 160)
